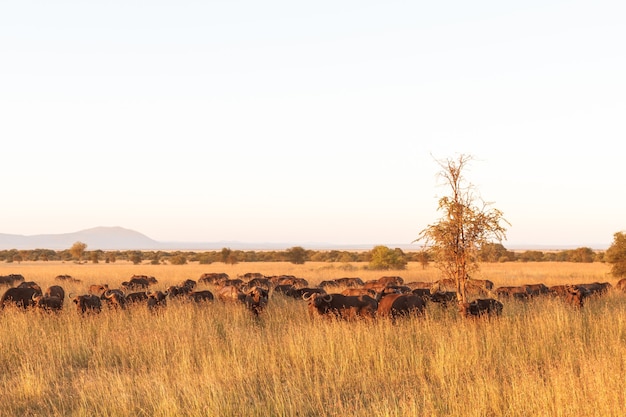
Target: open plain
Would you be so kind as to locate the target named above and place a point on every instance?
(540, 358)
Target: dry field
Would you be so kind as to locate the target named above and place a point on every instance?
(541, 358)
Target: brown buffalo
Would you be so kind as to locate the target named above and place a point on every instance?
(88, 303)
(482, 307)
(288, 280)
(391, 280)
(251, 275)
(66, 278)
(419, 284)
(518, 292)
(342, 306)
(212, 277)
(258, 282)
(534, 290)
(349, 282)
(229, 293)
(255, 298)
(575, 295)
(199, 296)
(443, 285)
(98, 289)
(139, 282)
(399, 305)
(360, 291)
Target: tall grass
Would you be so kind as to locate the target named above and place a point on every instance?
(539, 359)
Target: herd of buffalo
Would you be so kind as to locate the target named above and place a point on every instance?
(341, 298)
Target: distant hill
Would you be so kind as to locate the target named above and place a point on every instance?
(119, 238)
(103, 238)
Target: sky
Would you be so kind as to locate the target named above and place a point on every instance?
(325, 121)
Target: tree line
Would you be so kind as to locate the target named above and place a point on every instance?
(380, 257)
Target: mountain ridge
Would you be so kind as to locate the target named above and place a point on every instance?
(119, 238)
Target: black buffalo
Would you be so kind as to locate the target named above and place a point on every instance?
(20, 297)
(342, 306)
(11, 279)
(48, 302)
(481, 307)
(87, 303)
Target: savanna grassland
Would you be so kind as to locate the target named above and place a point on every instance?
(540, 358)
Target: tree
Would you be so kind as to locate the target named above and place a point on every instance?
(616, 255)
(383, 258)
(78, 250)
(455, 240)
(135, 257)
(228, 256)
(296, 255)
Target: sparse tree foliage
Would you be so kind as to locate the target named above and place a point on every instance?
(616, 255)
(78, 250)
(455, 240)
(228, 256)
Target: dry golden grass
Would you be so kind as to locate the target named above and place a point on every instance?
(539, 359)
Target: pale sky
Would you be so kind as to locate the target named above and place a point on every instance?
(284, 121)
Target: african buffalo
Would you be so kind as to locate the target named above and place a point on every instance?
(229, 293)
(174, 291)
(139, 282)
(55, 291)
(397, 305)
(596, 287)
(97, 289)
(156, 299)
(518, 292)
(534, 290)
(360, 291)
(48, 302)
(342, 282)
(114, 298)
(342, 306)
(299, 293)
(20, 297)
(88, 303)
(443, 297)
(575, 295)
(481, 307)
(212, 277)
(30, 284)
(136, 297)
(199, 296)
(66, 278)
(288, 280)
(256, 299)
(390, 280)
(11, 279)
